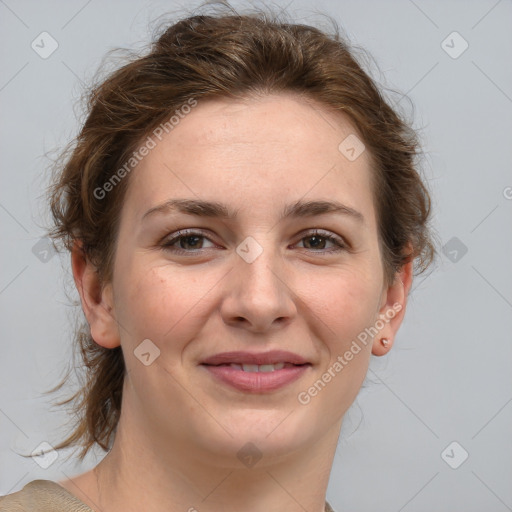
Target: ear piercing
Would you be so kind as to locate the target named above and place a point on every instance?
(385, 342)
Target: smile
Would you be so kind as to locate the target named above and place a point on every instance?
(258, 367)
(256, 373)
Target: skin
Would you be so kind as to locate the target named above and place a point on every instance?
(180, 429)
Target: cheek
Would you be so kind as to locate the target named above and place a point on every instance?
(156, 303)
(348, 309)
(345, 302)
(347, 306)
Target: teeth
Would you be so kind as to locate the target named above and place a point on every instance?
(250, 367)
(271, 367)
(258, 368)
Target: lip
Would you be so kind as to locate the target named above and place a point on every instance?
(270, 357)
(256, 382)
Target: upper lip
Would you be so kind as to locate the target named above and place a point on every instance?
(240, 357)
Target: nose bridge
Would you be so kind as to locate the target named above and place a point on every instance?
(258, 292)
(258, 264)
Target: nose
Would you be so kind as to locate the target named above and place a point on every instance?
(259, 295)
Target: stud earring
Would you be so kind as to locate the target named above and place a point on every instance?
(384, 342)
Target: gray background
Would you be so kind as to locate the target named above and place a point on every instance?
(448, 376)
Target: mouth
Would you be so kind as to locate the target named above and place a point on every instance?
(256, 373)
(264, 368)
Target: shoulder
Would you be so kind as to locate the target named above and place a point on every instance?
(42, 496)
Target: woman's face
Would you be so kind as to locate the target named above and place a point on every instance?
(248, 282)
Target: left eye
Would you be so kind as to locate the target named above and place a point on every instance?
(318, 240)
(192, 241)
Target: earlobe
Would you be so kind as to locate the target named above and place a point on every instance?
(392, 311)
(96, 298)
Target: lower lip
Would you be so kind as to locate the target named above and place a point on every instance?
(257, 382)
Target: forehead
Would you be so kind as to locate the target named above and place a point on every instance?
(253, 152)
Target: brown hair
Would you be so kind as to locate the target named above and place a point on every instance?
(224, 55)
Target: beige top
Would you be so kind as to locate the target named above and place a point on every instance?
(48, 496)
(42, 496)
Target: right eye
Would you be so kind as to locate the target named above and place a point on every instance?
(189, 242)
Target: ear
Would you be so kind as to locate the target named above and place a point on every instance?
(97, 299)
(392, 309)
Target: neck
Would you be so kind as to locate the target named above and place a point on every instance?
(140, 474)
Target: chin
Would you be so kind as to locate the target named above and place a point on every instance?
(260, 434)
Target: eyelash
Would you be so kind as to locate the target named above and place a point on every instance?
(167, 245)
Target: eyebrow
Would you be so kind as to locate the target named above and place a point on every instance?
(218, 210)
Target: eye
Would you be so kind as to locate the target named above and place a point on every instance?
(188, 241)
(317, 239)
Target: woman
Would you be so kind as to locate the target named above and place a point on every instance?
(243, 215)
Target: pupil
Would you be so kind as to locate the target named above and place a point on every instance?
(187, 240)
(317, 238)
